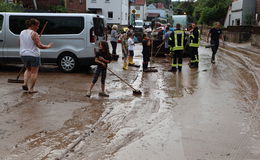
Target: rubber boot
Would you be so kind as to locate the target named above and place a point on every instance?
(131, 61)
(125, 67)
(145, 67)
(173, 69)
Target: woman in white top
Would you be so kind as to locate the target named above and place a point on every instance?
(30, 46)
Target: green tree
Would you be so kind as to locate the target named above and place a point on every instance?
(209, 11)
(184, 8)
(10, 7)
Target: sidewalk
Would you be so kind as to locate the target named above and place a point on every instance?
(241, 47)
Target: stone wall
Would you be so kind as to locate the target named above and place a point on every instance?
(236, 34)
(255, 37)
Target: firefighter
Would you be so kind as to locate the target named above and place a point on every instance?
(194, 45)
(176, 43)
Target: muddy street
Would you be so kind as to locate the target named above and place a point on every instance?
(210, 113)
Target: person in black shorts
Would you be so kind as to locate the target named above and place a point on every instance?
(214, 34)
(103, 57)
(146, 52)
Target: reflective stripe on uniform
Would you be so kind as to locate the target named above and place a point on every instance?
(176, 47)
(195, 44)
(174, 65)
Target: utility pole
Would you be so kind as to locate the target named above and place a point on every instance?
(35, 5)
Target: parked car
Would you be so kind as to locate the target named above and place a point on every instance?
(139, 29)
(74, 36)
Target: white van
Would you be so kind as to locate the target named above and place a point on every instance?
(74, 36)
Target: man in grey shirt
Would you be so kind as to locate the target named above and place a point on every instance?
(166, 40)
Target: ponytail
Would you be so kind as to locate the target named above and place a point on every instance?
(31, 22)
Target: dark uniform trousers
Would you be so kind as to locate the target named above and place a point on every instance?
(214, 48)
(177, 57)
(194, 54)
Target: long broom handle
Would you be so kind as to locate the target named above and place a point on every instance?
(121, 78)
(159, 48)
(43, 28)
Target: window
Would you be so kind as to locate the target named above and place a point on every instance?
(56, 25)
(93, 1)
(99, 26)
(137, 7)
(110, 14)
(1, 22)
(107, 1)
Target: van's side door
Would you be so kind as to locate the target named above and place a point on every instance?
(2, 35)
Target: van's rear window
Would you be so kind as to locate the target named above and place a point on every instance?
(56, 25)
(99, 26)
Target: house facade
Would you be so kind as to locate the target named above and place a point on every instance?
(115, 11)
(155, 10)
(76, 6)
(140, 7)
(241, 12)
(40, 4)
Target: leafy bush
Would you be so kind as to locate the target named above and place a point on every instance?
(58, 9)
(10, 7)
(209, 11)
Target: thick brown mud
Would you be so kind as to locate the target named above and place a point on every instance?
(210, 113)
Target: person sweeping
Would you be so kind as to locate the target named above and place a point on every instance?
(30, 46)
(103, 57)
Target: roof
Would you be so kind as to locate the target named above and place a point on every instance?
(153, 14)
(138, 2)
(160, 5)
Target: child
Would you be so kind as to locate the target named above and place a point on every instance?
(124, 50)
(103, 57)
(131, 45)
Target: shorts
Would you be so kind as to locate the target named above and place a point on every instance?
(103, 72)
(31, 61)
(131, 53)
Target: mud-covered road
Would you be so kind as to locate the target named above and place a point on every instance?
(210, 113)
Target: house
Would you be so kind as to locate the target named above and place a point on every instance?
(241, 12)
(76, 6)
(40, 4)
(140, 7)
(115, 11)
(155, 10)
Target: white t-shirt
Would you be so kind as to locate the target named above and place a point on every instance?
(131, 44)
(27, 45)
